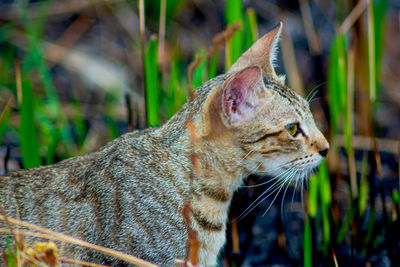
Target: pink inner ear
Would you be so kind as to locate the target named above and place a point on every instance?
(239, 90)
(234, 99)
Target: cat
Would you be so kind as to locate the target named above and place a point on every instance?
(129, 195)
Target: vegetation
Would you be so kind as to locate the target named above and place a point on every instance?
(60, 96)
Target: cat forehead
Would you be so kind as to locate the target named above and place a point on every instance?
(295, 101)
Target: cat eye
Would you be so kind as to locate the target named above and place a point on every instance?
(293, 129)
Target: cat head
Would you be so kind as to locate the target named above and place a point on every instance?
(270, 125)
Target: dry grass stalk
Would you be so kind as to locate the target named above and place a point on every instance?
(18, 82)
(377, 160)
(220, 39)
(6, 108)
(353, 16)
(350, 101)
(142, 30)
(367, 143)
(74, 241)
(20, 234)
(314, 43)
(290, 63)
(371, 53)
(81, 263)
(335, 259)
(20, 255)
(161, 33)
(235, 237)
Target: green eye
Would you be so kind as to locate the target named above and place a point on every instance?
(292, 129)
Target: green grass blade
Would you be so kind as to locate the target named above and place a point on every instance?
(213, 65)
(111, 122)
(173, 88)
(4, 115)
(10, 252)
(52, 147)
(313, 197)
(371, 228)
(35, 60)
(3, 125)
(251, 28)
(200, 72)
(345, 225)
(326, 199)
(152, 84)
(112, 128)
(364, 187)
(78, 121)
(337, 81)
(27, 131)
(233, 14)
(396, 197)
(380, 10)
(7, 57)
(307, 259)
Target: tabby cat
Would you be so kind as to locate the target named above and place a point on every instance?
(129, 195)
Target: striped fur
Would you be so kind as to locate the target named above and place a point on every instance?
(129, 195)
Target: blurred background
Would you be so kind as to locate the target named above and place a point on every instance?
(75, 74)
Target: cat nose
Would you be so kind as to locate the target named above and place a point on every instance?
(324, 152)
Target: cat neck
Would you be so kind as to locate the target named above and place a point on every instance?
(218, 167)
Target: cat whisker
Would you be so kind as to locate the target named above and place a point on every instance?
(284, 194)
(256, 202)
(251, 171)
(316, 98)
(256, 167)
(311, 95)
(294, 191)
(267, 182)
(302, 193)
(280, 188)
(313, 92)
(251, 151)
(279, 183)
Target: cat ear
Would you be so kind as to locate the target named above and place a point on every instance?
(242, 95)
(262, 53)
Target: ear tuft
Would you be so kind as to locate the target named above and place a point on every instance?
(282, 79)
(241, 95)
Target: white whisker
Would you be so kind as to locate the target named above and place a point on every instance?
(251, 151)
(276, 195)
(294, 192)
(313, 92)
(256, 202)
(284, 194)
(269, 180)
